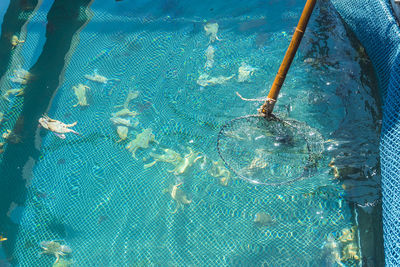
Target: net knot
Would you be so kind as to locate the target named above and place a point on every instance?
(266, 109)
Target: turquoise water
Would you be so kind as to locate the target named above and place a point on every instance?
(91, 193)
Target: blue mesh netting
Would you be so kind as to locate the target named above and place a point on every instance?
(112, 212)
(390, 159)
(375, 26)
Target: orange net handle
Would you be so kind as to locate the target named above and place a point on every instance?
(268, 106)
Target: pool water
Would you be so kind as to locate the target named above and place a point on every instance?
(113, 207)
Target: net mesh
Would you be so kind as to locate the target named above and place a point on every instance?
(375, 25)
(115, 210)
(254, 148)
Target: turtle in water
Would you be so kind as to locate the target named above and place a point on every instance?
(212, 30)
(179, 196)
(142, 140)
(57, 127)
(55, 248)
(15, 41)
(262, 218)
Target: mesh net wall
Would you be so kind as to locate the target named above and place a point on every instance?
(376, 27)
(114, 209)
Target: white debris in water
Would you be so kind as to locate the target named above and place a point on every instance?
(245, 71)
(212, 30)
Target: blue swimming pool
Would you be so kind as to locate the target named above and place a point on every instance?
(150, 84)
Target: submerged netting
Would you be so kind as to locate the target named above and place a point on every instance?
(376, 27)
(254, 149)
(116, 207)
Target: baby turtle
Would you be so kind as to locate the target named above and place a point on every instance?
(124, 112)
(121, 121)
(21, 76)
(55, 248)
(17, 92)
(262, 218)
(348, 235)
(169, 156)
(142, 140)
(212, 30)
(350, 252)
(96, 78)
(205, 80)
(11, 137)
(80, 92)
(331, 252)
(57, 127)
(245, 71)
(131, 96)
(186, 162)
(218, 170)
(15, 41)
(179, 196)
(122, 132)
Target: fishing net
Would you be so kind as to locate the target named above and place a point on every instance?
(269, 151)
(113, 209)
(376, 27)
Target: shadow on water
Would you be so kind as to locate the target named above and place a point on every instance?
(16, 16)
(64, 20)
(357, 159)
(362, 184)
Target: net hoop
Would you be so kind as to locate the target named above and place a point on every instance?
(309, 169)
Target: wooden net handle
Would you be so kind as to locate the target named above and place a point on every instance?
(268, 106)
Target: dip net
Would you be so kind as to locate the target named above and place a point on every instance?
(113, 209)
(269, 151)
